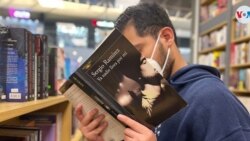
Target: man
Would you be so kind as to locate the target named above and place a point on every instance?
(213, 113)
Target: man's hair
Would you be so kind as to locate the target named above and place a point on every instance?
(148, 19)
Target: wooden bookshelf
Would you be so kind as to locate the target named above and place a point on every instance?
(59, 104)
(217, 48)
(206, 2)
(221, 68)
(241, 66)
(216, 27)
(242, 39)
(241, 92)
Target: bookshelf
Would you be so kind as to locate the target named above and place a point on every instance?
(59, 104)
(241, 91)
(205, 2)
(241, 39)
(240, 66)
(235, 72)
(217, 48)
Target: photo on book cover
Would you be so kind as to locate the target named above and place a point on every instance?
(131, 81)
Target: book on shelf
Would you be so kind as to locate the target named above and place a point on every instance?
(212, 9)
(213, 39)
(240, 79)
(41, 48)
(17, 133)
(17, 73)
(235, 1)
(214, 59)
(117, 79)
(239, 53)
(241, 30)
(48, 122)
(56, 70)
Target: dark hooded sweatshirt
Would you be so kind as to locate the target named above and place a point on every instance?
(213, 113)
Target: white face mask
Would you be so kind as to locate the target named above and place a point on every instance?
(154, 63)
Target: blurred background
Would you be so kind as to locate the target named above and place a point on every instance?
(78, 26)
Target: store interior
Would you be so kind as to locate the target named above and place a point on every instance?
(207, 33)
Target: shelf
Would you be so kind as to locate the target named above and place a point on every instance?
(10, 110)
(206, 2)
(241, 66)
(216, 27)
(220, 47)
(242, 39)
(221, 68)
(241, 92)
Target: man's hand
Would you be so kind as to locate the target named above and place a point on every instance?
(92, 124)
(136, 131)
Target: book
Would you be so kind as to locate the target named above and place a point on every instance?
(17, 72)
(41, 65)
(27, 133)
(117, 79)
(49, 123)
(56, 70)
(239, 53)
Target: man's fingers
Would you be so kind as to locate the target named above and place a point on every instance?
(101, 128)
(127, 138)
(89, 117)
(78, 112)
(131, 123)
(130, 133)
(94, 124)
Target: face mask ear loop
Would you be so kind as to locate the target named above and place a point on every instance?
(156, 43)
(166, 60)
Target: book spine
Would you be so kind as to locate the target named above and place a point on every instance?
(38, 66)
(45, 66)
(52, 71)
(3, 67)
(30, 60)
(17, 66)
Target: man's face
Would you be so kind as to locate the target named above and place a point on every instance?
(145, 44)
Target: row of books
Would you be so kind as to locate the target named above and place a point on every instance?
(213, 39)
(241, 30)
(214, 59)
(212, 10)
(240, 79)
(240, 53)
(33, 127)
(29, 68)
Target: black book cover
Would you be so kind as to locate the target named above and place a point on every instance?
(42, 65)
(120, 79)
(56, 70)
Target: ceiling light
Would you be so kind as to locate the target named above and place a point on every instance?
(51, 3)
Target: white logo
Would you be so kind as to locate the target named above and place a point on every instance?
(243, 14)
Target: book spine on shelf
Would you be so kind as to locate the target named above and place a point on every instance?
(19, 74)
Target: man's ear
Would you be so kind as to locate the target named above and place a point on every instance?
(167, 35)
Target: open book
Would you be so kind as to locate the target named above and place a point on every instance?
(117, 79)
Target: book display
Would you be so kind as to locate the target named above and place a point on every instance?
(24, 81)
